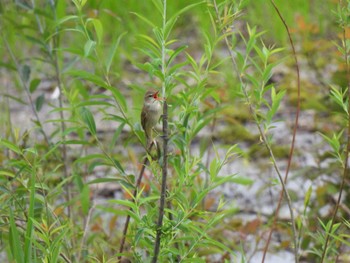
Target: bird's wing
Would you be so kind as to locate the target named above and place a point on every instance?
(143, 119)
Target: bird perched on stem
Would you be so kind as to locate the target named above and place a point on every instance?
(151, 112)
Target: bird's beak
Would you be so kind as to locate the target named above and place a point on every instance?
(155, 96)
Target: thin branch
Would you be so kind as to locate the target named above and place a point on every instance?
(262, 135)
(295, 128)
(85, 232)
(127, 221)
(164, 177)
(26, 89)
(165, 148)
(347, 151)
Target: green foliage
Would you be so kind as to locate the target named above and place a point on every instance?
(102, 56)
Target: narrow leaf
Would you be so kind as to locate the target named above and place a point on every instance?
(10, 146)
(88, 47)
(25, 73)
(39, 102)
(112, 51)
(34, 84)
(15, 243)
(88, 119)
(85, 199)
(145, 20)
(87, 76)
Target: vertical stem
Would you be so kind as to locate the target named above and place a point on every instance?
(164, 177)
(165, 147)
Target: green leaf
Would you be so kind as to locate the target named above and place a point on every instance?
(126, 203)
(338, 97)
(112, 51)
(119, 98)
(10, 146)
(186, 8)
(91, 157)
(39, 102)
(112, 180)
(117, 164)
(25, 72)
(98, 28)
(88, 47)
(241, 180)
(65, 19)
(159, 6)
(88, 76)
(7, 173)
(214, 168)
(307, 196)
(145, 20)
(168, 27)
(85, 199)
(94, 103)
(29, 231)
(82, 2)
(175, 53)
(276, 101)
(116, 135)
(34, 84)
(159, 35)
(15, 243)
(88, 119)
(151, 44)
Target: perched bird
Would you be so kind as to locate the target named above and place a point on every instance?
(151, 112)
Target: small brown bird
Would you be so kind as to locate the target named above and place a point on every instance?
(151, 112)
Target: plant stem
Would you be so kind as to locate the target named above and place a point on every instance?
(127, 221)
(165, 146)
(164, 177)
(347, 151)
(291, 151)
(26, 89)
